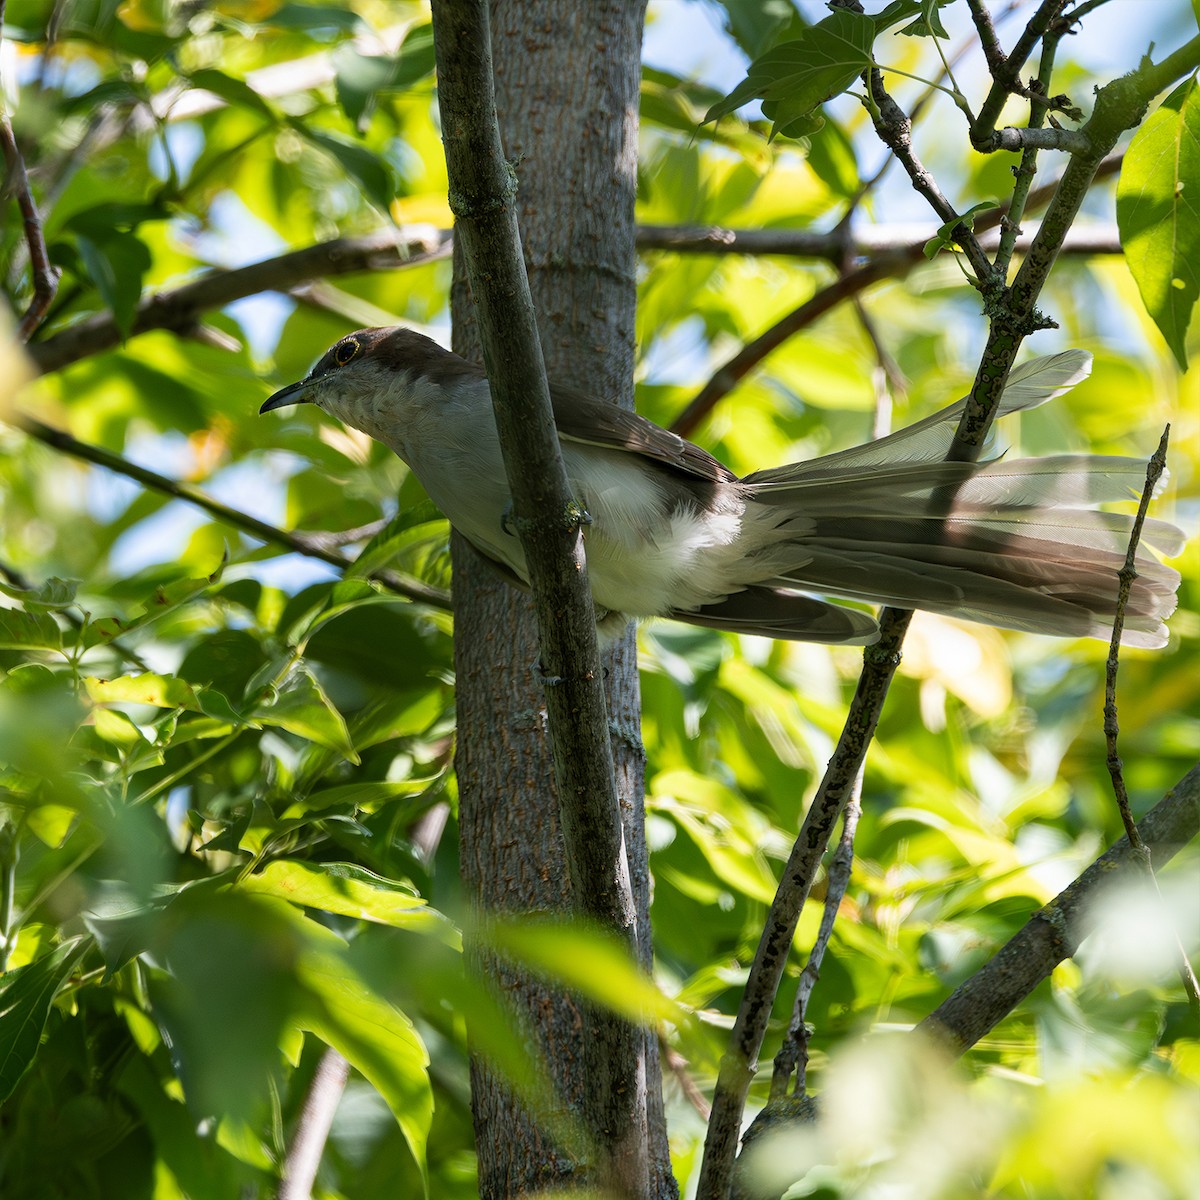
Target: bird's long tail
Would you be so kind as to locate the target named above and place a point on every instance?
(1017, 544)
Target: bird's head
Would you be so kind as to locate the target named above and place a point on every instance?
(380, 380)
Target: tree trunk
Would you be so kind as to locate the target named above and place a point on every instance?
(567, 91)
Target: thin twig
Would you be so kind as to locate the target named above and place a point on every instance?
(993, 52)
(44, 275)
(895, 131)
(1081, 10)
(59, 440)
(299, 1171)
(1126, 576)
(179, 308)
(793, 1053)
(1006, 75)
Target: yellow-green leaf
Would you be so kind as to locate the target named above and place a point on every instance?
(1158, 213)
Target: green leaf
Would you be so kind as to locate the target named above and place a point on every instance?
(1158, 213)
(303, 708)
(588, 960)
(755, 24)
(795, 77)
(28, 631)
(369, 796)
(944, 238)
(233, 91)
(929, 23)
(25, 999)
(161, 691)
(351, 891)
(51, 596)
(359, 77)
(116, 263)
(358, 162)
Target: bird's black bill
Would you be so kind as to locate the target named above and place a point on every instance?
(292, 394)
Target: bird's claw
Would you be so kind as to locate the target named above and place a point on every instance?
(576, 515)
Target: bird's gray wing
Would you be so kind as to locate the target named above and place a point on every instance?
(581, 418)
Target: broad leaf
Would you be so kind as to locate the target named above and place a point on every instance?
(303, 708)
(351, 891)
(28, 630)
(1158, 213)
(25, 999)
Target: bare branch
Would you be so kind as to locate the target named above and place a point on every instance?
(893, 263)
(1053, 933)
(1127, 574)
(312, 547)
(832, 245)
(45, 276)
(739, 1061)
(1054, 138)
(793, 1051)
(299, 1170)
(1120, 105)
(895, 131)
(1006, 73)
(180, 308)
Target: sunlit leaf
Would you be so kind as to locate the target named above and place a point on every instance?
(303, 708)
(349, 890)
(591, 961)
(1158, 213)
(378, 1040)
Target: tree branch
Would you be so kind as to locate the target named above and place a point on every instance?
(299, 1171)
(1054, 138)
(1053, 933)
(179, 309)
(740, 1059)
(1120, 105)
(1127, 574)
(549, 522)
(893, 263)
(45, 276)
(1013, 317)
(310, 545)
(1006, 72)
(895, 131)
(835, 244)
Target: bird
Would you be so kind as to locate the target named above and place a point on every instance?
(672, 532)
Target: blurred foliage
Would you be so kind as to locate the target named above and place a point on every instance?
(224, 771)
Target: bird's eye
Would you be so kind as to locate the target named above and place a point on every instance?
(346, 351)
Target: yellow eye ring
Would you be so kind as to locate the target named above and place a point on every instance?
(346, 351)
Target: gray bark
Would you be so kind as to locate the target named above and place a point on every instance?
(567, 86)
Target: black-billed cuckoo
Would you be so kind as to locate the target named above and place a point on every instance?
(674, 533)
